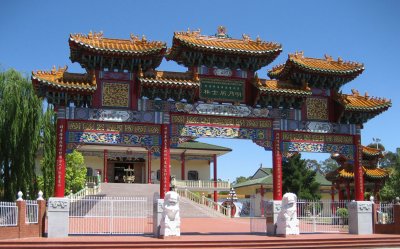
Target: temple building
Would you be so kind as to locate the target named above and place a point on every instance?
(374, 177)
(123, 106)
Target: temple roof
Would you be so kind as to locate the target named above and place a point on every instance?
(356, 102)
(226, 44)
(375, 173)
(133, 46)
(327, 65)
(281, 87)
(232, 53)
(164, 78)
(60, 79)
(371, 151)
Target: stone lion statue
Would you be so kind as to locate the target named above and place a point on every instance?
(287, 222)
(171, 220)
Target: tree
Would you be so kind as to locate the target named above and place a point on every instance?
(75, 173)
(47, 164)
(298, 179)
(328, 165)
(391, 189)
(20, 114)
(240, 179)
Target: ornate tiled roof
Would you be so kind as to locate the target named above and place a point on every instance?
(61, 80)
(281, 87)
(375, 173)
(158, 78)
(133, 46)
(371, 151)
(226, 44)
(356, 102)
(313, 65)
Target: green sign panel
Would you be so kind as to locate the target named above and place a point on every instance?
(225, 90)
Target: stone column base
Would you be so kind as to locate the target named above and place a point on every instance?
(58, 217)
(360, 217)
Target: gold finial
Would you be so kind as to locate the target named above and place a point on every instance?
(144, 39)
(246, 37)
(366, 95)
(340, 60)
(221, 32)
(258, 40)
(90, 35)
(53, 69)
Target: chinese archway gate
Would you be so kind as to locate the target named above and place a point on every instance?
(123, 99)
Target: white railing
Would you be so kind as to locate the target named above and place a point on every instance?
(31, 212)
(322, 216)
(385, 213)
(110, 215)
(213, 206)
(202, 184)
(84, 192)
(8, 214)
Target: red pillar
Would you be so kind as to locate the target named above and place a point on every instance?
(149, 166)
(277, 166)
(333, 198)
(105, 165)
(164, 161)
(215, 177)
(183, 166)
(340, 192)
(59, 187)
(358, 171)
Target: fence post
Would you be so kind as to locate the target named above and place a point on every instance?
(58, 213)
(21, 205)
(41, 213)
(396, 218)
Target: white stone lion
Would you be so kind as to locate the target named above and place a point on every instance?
(171, 220)
(287, 222)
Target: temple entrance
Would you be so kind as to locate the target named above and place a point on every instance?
(127, 172)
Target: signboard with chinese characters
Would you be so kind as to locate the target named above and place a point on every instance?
(223, 90)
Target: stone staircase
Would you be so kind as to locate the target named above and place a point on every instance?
(189, 209)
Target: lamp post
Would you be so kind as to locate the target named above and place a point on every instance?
(232, 197)
(377, 141)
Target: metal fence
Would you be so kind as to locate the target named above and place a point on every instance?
(385, 213)
(322, 216)
(8, 214)
(31, 212)
(110, 215)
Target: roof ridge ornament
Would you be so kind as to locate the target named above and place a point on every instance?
(245, 37)
(133, 37)
(355, 92)
(328, 57)
(221, 32)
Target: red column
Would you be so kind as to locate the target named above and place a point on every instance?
(105, 165)
(164, 161)
(340, 192)
(333, 198)
(277, 166)
(59, 187)
(183, 166)
(215, 177)
(358, 171)
(148, 166)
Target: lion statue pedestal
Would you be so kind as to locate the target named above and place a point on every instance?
(287, 222)
(171, 220)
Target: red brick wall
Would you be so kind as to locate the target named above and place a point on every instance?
(23, 230)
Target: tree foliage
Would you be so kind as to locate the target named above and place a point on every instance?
(298, 179)
(47, 164)
(20, 113)
(75, 173)
(328, 165)
(241, 179)
(391, 189)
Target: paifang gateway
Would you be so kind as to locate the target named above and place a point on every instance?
(124, 100)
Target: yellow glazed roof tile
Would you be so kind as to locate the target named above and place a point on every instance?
(61, 79)
(226, 44)
(357, 102)
(134, 45)
(283, 87)
(170, 78)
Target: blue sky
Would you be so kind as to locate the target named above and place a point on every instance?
(34, 35)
